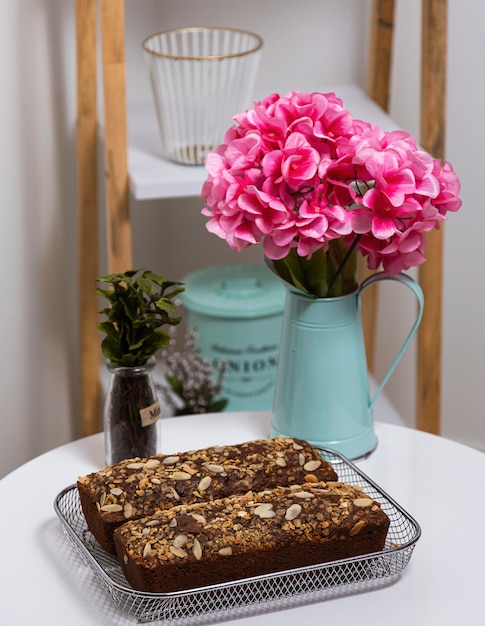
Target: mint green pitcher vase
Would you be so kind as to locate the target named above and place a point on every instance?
(321, 389)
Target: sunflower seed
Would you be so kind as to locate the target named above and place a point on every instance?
(304, 494)
(199, 518)
(212, 467)
(153, 522)
(151, 463)
(170, 460)
(363, 502)
(135, 465)
(197, 549)
(357, 528)
(181, 476)
(180, 552)
(180, 541)
(204, 483)
(264, 511)
(311, 466)
(111, 508)
(292, 512)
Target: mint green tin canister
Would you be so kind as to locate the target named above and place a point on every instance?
(237, 311)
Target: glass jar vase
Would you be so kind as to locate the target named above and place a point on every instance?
(131, 413)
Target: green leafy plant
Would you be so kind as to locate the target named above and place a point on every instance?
(141, 303)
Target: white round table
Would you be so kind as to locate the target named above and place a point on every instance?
(439, 482)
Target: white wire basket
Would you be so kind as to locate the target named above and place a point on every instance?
(257, 595)
(200, 77)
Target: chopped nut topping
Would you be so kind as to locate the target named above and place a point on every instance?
(311, 478)
(201, 530)
(144, 487)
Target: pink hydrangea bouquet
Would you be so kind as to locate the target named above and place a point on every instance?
(317, 188)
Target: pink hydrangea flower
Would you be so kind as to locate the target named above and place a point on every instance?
(295, 173)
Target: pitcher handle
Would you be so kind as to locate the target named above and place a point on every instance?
(416, 289)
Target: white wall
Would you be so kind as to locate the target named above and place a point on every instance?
(38, 351)
(39, 389)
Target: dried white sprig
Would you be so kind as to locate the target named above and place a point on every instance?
(190, 376)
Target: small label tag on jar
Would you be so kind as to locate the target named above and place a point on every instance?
(150, 414)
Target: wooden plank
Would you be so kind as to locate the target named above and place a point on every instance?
(433, 131)
(87, 208)
(118, 224)
(380, 59)
(378, 88)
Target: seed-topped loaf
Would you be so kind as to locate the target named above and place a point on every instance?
(249, 535)
(137, 488)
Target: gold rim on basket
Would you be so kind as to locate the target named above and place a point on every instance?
(215, 57)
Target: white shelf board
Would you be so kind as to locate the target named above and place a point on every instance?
(153, 177)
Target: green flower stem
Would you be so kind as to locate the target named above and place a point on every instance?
(348, 281)
(327, 274)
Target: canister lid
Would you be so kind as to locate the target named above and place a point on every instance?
(234, 291)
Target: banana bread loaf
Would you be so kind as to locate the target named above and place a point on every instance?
(137, 488)
(254, 534)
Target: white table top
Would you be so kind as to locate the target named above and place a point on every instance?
(439, 482)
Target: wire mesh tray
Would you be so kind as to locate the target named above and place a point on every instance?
(255, 595)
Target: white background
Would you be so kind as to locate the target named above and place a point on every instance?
(311, 44)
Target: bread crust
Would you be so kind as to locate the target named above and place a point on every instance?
(249, 535)
(137, 488)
